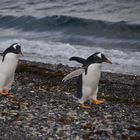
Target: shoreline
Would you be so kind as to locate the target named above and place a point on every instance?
(44, 107)
(41, 64)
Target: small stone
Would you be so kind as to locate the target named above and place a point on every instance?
(31, 84)
(67, 93)
(87, 125)
(85, 112)
(77, 122)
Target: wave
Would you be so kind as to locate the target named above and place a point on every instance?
(72, 25)
(53, 52)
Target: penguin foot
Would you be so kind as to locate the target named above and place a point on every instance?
(4, 93)
(85, 106)
(7, 94)
(97, 102)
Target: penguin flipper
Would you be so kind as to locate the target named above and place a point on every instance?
(73, 74)
(78, 59)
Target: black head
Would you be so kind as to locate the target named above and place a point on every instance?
(14, 48)
(97, 58)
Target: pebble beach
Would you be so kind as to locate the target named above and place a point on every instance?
(44, 107)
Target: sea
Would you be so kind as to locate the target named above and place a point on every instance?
(52, 31)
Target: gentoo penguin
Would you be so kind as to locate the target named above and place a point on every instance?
(7, 68)
(88, 77)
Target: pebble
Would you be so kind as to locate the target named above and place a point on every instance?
(32, 91)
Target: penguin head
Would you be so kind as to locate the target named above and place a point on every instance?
(98, 58)
(14, 48)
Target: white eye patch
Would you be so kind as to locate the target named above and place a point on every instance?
(15, 46)
(99, 55)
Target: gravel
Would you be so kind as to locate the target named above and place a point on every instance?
(44, 107)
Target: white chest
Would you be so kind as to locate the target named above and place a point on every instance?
(91, 79)
(8, 66)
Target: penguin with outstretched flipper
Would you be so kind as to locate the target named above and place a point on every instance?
(88, 77)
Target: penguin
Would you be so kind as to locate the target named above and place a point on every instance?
(8, 66)
(88, 77)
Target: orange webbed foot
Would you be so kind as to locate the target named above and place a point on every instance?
(6, 93)
(97, 102)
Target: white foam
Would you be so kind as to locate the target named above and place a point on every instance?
(55, 52)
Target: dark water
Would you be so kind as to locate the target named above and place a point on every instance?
(51, 31)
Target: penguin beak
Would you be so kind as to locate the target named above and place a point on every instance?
(20, 53)
(108, 61)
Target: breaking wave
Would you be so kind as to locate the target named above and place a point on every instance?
(72, 25)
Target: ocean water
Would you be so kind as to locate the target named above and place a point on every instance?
(52, 31)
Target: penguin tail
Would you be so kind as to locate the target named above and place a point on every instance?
(73, 74)
(78, 59)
